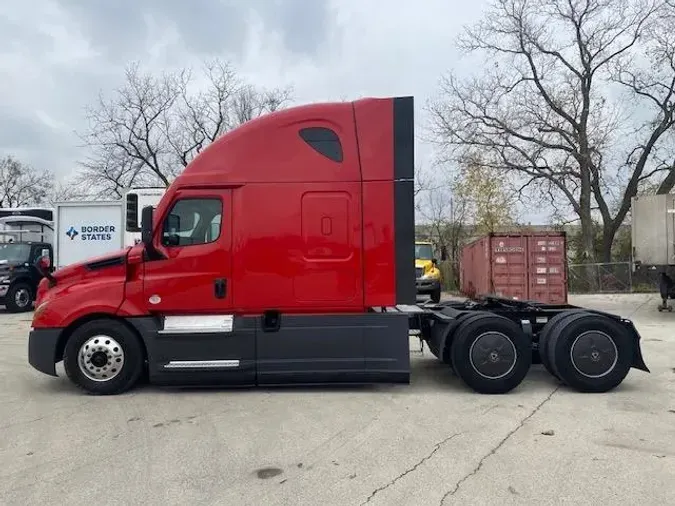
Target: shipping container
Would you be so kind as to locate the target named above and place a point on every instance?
(522, 266)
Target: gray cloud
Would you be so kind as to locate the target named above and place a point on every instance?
(55, 55)
(119, 29)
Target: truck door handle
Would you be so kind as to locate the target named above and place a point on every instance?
(220, 288)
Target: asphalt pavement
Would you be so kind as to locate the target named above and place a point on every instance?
(431, 442)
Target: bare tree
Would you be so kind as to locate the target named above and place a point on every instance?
(156, 124)
(130, 126)
(444, 215)
(543, 110)
(226, 103)
(489, 197)
(109, 170)
(21, 184)
(68, 190)
(650, 86)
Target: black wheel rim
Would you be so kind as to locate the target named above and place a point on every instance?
(493, 355)
(594, 354)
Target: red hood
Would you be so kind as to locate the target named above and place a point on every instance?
(80, 272)
(97, 282)
(77, 268)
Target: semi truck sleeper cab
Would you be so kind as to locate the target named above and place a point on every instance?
(284, 254)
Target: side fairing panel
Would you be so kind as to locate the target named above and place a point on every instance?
(379, 255)
(385, 128)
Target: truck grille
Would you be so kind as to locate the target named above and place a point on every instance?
(418, 272)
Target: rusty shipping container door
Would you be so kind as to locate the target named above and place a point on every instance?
(517, 266)
(548, 268)
(509, 266)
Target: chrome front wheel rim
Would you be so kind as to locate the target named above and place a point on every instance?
(101, 358)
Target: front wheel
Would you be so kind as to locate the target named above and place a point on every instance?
(103, 357)
(19, 298)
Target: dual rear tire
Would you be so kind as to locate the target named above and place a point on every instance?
(588, 352)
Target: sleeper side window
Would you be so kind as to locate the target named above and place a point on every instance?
(193, 221)
(324, 141)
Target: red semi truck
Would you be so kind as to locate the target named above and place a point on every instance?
(284, 254)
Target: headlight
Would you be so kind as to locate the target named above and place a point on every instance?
(39, 310)
(4, 279)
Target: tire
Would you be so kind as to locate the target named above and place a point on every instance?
(436, 295)
(446, 355)
(590, 353)
(503, 361)
(545, 338)
(112, 340)
(24, 293)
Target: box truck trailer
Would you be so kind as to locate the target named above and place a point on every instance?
(653, 242)
(86, 229)
(284, 254)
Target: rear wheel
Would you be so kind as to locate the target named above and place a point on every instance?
(446, 352)
(103, 357)
(490, 353)
(545, 338)
(590, 353)
(19, 298)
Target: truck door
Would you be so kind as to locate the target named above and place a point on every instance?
(191, 291)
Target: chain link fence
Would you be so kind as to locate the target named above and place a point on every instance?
(616, 277)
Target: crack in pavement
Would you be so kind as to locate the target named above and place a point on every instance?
(496, 448)
(437, 447)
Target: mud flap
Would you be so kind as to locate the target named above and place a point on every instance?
(638, 362)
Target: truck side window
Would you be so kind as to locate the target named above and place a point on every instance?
(324, 141)
(192, 221)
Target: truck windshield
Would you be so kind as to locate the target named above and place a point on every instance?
(423, 252)
(14, 253)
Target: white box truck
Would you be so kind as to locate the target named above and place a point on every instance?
(653, 241)
(85, 229)
(26, 224)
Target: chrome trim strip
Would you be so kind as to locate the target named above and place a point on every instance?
(196, 364)
(199, 330)
(197, 324)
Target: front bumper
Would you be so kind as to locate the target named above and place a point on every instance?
(42, 348)
(427, 285)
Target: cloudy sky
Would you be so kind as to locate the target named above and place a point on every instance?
(56, 55)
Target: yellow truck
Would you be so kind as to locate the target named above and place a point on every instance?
(427, 273)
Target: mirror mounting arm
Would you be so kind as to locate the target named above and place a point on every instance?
(45, 272)
(151, 253)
